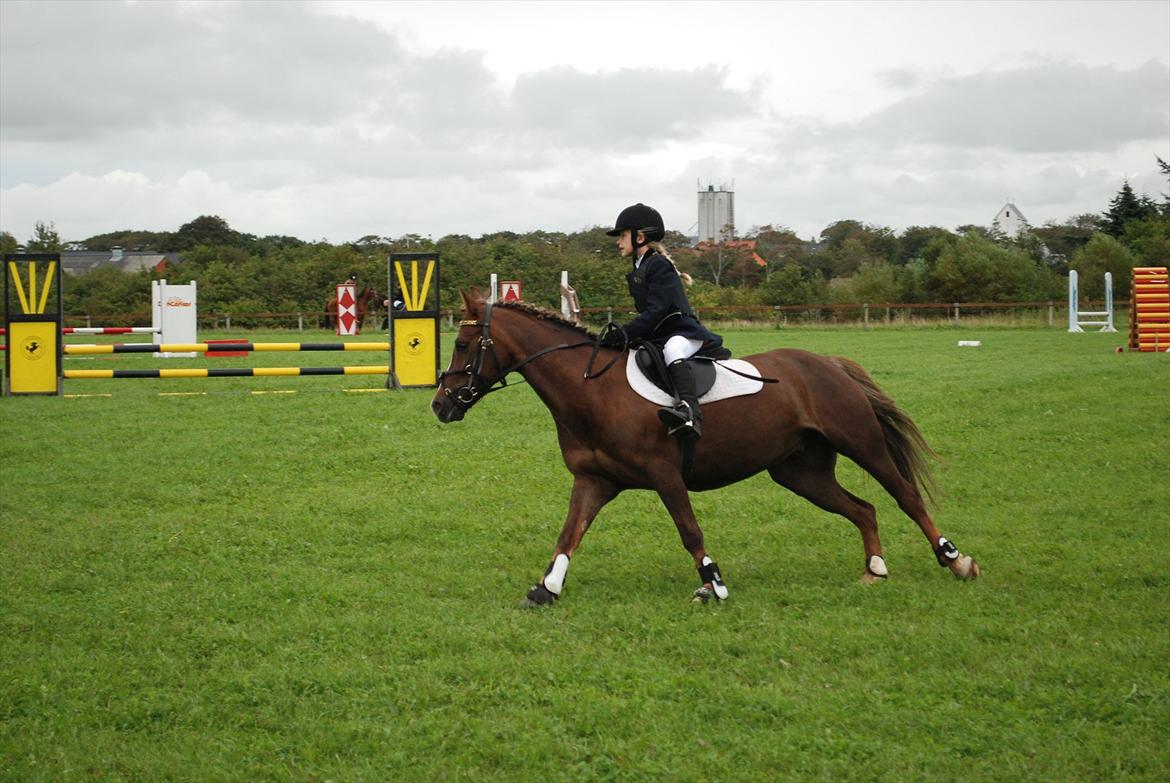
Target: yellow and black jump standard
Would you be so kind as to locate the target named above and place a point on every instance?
(32, 317)
(414, 319)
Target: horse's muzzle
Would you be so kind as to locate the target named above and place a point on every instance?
(445, 408)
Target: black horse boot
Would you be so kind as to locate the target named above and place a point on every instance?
(684, 419)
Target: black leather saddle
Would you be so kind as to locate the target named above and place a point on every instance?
(653, 366)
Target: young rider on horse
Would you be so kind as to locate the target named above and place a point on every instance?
(665, 317)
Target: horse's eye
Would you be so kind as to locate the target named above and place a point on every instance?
(460, 345)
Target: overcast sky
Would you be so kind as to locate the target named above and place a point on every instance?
(335, 120)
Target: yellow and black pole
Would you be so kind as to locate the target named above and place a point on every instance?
(414, 319)
(32, 317)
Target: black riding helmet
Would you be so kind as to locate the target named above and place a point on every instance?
(639, 217)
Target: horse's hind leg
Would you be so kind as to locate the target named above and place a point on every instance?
(910, 501)
(810, 473)
(879, 464)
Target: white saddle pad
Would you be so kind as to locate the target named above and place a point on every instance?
(727, 383)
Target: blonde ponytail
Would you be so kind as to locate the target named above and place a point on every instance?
(660, 249)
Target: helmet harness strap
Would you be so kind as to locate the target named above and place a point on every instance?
(639, 254)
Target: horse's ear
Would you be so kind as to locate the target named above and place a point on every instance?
(471, 298)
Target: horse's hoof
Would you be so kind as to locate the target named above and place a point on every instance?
(705, 594)
(964, 567)
(538, 596)
(869, 578)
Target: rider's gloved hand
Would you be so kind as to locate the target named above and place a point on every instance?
(614, 337)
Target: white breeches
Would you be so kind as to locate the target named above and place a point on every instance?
(679, 347)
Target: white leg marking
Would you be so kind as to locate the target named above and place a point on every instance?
(555, 580)
(877, 566)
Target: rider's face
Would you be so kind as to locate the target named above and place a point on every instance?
(625, 243)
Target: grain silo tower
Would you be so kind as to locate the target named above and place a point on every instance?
(716, 213)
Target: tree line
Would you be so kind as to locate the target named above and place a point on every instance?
(849, 262)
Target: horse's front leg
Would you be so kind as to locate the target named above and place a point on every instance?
(589, 494)
(678, 502)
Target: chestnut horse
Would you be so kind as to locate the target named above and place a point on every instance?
(611, 439)
(366, 300)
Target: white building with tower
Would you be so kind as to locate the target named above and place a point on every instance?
(1009, 221)
(716, 213)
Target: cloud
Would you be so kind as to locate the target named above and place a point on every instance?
(1040, 108)
(157, 204)
(284, 119)
(627, 110)
(898, 78)
(103, 68)
(249, 92)
(1048, 136)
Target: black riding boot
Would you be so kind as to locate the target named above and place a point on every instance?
(685, 419)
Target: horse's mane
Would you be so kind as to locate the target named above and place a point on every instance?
(545, 314)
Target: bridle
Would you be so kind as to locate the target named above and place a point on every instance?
(478, 386)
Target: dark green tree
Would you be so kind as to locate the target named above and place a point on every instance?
(127, 240)
(1063, 240)
(914, 240)
(1165, 168)
(791, 284)
(1148, 239)
(875, 283)
(850, 256)
(1103, 254)
(850, 243)
(8, 243)
(777, 245)
(1124, 207)
(210, 230)
(108, 291)
(977, 269)
(714, 263)
(914, 280)
(45, 239)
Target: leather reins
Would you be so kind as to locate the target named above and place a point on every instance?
(478, 386)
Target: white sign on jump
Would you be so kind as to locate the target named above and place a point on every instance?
(510, 291)
(173, 315)
(347, 321)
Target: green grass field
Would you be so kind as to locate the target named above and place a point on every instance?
(323, 586)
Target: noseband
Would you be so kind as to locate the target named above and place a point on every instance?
(478, 386)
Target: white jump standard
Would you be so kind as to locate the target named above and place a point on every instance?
(1074, 314)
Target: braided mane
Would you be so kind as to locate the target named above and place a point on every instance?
(545, 314)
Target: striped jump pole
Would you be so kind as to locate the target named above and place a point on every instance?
(92, 350)
(229, 372)
(102, 330)
(98, 330)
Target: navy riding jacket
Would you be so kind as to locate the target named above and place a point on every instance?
(663, 309)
